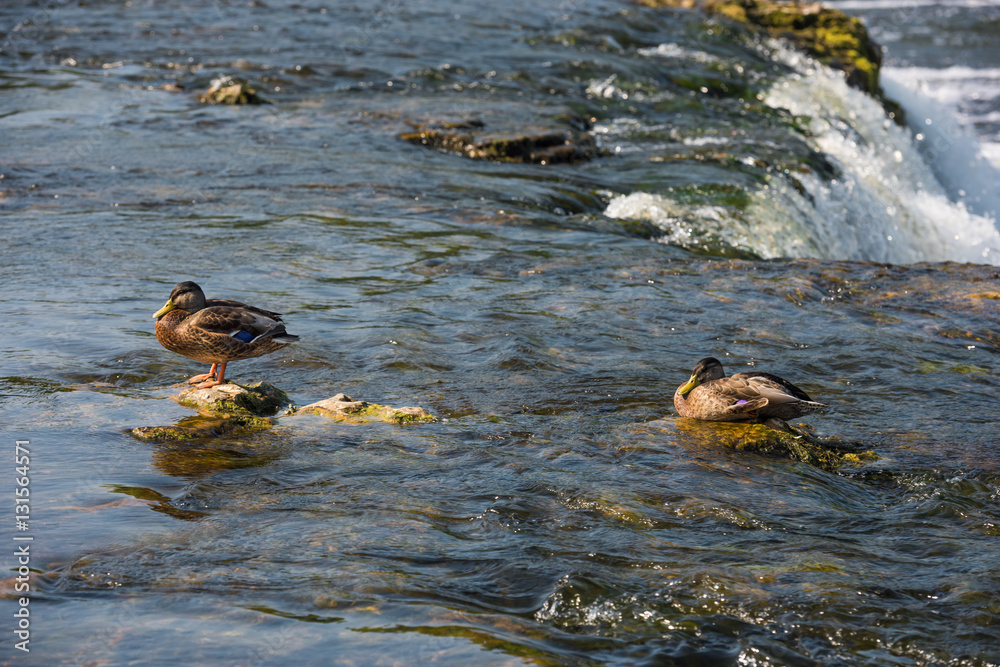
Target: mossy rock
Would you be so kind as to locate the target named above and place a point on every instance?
(832, 37)
(227, 90)
(202, 428)
(224, 410)
(239, 402)
(345, 409)
(829, 35)
(532, 145)
(795, 443)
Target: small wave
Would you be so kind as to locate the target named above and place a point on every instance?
(887, 188)
(671, 50)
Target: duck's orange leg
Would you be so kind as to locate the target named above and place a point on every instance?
(213, 382)
(201, 378)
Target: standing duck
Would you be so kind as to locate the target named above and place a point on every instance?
(754, 396)
(216, 331)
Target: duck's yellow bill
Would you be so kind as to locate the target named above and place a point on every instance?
(167, 307)
(686, 388)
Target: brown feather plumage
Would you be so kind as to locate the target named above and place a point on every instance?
(754, 396)
(204, 329)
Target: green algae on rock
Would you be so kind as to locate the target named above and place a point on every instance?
(343, 408)
(239, 401)
(796, 444)
(829, 35)
(228, 90)
(225, 410)
(201, 428)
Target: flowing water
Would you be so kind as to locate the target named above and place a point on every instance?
(747, 205)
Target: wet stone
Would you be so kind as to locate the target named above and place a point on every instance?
(531, 145)
(344, 408)
(252, 400)
(776, 438)
(201, 428)
(832, 37)
(226, 90)
(224, 410)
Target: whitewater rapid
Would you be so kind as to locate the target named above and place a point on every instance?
(900, 195)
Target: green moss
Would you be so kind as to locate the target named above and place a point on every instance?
(711, 86)
(829, 35)
(203, 427)
(163, 433)
(256, 400)
(359, 412)
(797, 444)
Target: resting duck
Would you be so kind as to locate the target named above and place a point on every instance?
(216, 331)
(754, 396)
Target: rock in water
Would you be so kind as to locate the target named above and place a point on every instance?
(226, 410)
(253, 400)
(794, 443)
(534, 145)
(226, 90)
(344, 408)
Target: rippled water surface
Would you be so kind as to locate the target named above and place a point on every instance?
(558, 512)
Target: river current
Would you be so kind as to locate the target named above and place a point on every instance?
(746, 204)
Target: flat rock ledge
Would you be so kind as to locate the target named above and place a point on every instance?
(345, 409)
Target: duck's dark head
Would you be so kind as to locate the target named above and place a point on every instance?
(185, 296)
(706, 370)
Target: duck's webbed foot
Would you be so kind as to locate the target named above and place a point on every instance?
(211, 379)
(205, 376)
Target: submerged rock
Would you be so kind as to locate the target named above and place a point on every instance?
(227, 90)
(795, 443)
(344, 408)
(531, 145)
(197, 428)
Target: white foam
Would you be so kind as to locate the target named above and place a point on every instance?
(946, 139)
(671, 50)
(680, 224)
(659, 210)
(885, 203)
(609, 89)
(888, 198)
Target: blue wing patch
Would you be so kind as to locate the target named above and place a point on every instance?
(243, 336)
